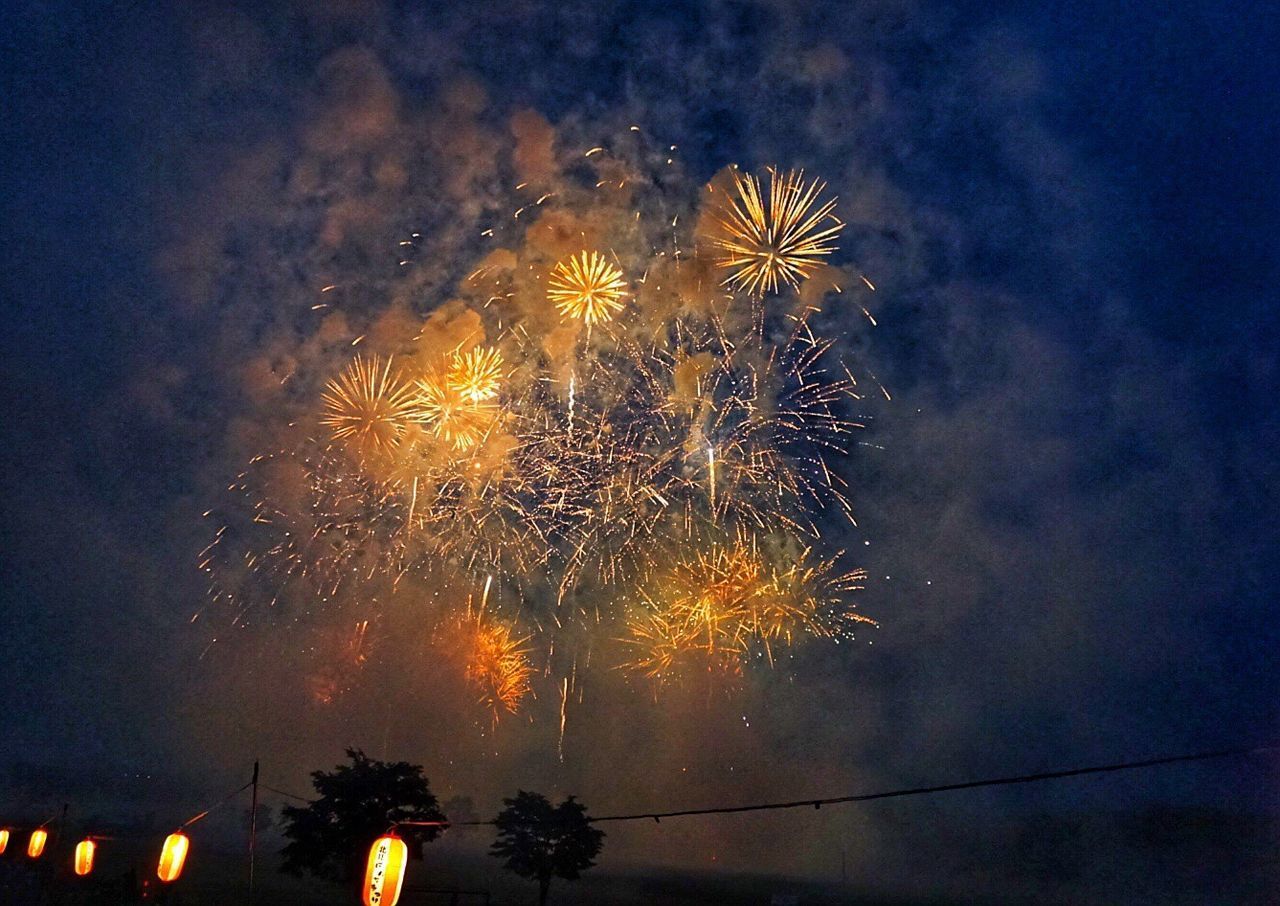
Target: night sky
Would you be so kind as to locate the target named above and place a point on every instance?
(1068, 511)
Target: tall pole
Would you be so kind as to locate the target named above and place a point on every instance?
(253, 829)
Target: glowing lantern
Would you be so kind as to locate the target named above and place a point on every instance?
(4, 840)
(385, 873)
(84, 857)
(35, 846)
(173, 856)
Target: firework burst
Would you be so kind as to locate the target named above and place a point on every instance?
(715, 607)
(587, 287)
(476, 375)
(764, 241)
(368, 406)
(497, 664)
(666, 482)
(453, 416)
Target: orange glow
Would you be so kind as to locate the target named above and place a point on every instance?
(84, 857)
(35, 846)
(4, 840)
(173, 857)
(385, 874)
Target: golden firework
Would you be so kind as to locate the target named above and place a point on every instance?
(780, 238)
(368, 405)
(667, 647)
(498, 665)
(806, 597)
(720, 588)
(454, 417)
(587, 287)
(700, 615)
(660, 482)
(476, 375)
(718, 606)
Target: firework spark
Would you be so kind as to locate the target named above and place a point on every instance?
(780, 238)
(587, 287)
(368, 406)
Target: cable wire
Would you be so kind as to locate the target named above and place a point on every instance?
(283, 793)
(947, 787)
(896, 794)
(223, 801)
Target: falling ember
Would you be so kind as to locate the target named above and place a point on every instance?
(587, 287)
(367, 405)
(779, 238)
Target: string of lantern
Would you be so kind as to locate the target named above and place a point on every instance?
(388, 856)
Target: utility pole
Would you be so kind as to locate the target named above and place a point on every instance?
(253, 829)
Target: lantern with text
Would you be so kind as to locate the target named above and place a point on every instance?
(173, 856)
(35, 846)
(84, 857)
(4, 840)
(385, 873)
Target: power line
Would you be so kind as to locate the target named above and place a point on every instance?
(947, 787)
(900, 793)
(285, 794)
(815, 803)
(225, 799)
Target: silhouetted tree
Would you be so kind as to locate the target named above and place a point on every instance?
(330, 838)
(542, 841)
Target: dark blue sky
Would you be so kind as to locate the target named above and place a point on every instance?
(1071, 212)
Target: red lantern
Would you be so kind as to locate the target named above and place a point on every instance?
(35, 846)
(385, 874)
(4, 840)
(84, 857)
(173, 856)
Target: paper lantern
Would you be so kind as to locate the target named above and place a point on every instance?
(35, 846)
(385, 873)
(4, 840)
(173, 856)
(84, 857)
